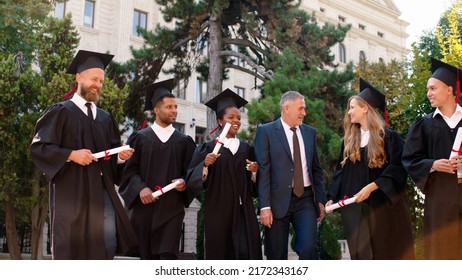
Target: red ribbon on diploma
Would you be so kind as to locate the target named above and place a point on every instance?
(106, 155)
(341, 202)
(218, 141)
(459, 152)
(159, 188)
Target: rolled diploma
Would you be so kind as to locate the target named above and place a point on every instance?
(165, 189)
(111, 151)
(341, 203)
(221, 138)
(457, 143)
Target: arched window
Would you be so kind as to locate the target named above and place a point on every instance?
(342, 53)
(362, 56)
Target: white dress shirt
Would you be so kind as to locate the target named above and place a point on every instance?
(163, 133)
(80, 102)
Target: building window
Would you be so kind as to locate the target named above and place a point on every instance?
(241, 92)
(361, 27)
(362, 56)
(180, 90)
(200, 135)
(140, 20)
(342, 53)
(341, 18)
(202, 46)
(60, 10)
(380, 34)
(322, 10)
(178, 126)
(201, 91)
(381, 60)
(237, 60)
(89, 14)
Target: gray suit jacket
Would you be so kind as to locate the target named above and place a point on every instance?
(275, 171)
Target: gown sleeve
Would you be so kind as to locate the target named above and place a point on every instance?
(194, 183)
(415, 157)
(392, 180)
(46, 150)
(131, 183)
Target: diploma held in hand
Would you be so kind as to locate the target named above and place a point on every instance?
(456, 148)
(111, 151)
(221, 138)
(341, 203)
(160, 191)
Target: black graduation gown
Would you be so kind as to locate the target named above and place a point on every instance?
(430, 139)
(227, 181)
(158, 225)
(379, 227)
(76, 192)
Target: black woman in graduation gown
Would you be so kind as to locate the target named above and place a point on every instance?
(231, 226)
(378, 226)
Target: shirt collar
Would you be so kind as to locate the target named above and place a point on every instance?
(80, 102)
(438, 111)
(286, 126)
(160, 129)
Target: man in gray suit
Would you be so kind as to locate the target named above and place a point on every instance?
(290, 181)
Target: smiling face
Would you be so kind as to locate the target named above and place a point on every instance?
(358, 113)
(232, 115)
(438, 93)
(294, 111)
(91, 83)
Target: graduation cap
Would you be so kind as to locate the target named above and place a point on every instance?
(84, 60)
(374, 97)
(157, 91)
(448, 74)
(225, 99)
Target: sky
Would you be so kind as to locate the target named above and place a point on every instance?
(421, 15)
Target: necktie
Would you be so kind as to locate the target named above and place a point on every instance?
(298, 172)
(89, 112)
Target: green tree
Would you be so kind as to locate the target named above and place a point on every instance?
(19, 19)
(25, 94)
(252, 31)
(15, 170)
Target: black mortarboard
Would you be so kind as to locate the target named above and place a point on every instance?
(84, 60)
(225, 99)
(157, 91)
(373, 96)
(448, 74)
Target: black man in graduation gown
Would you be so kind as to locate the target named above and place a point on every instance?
(426, 156)
(162, 155)
(88, 220)
(231, 226)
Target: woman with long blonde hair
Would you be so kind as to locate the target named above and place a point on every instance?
(378, 225)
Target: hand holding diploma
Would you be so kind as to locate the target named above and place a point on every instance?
(455, 157)
(177, 184)
(456, 152)
(341, 203)
(221, 138)
(108, 153)
(212, 157)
